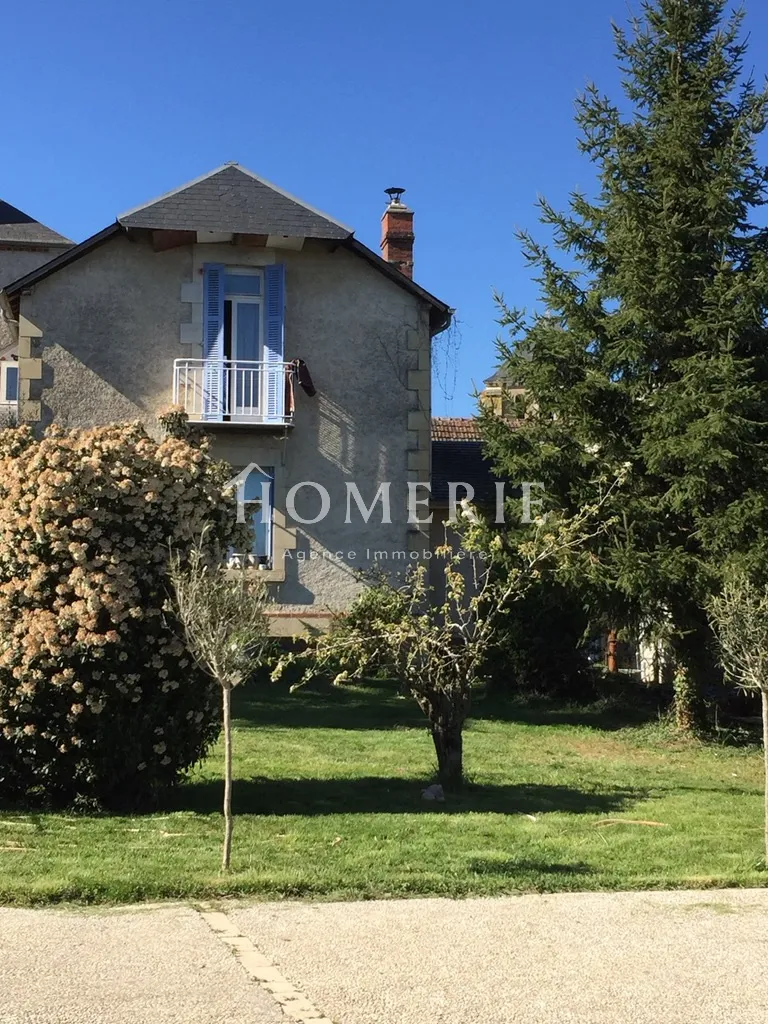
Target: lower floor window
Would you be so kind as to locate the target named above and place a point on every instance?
(257, 494)
(9, 381)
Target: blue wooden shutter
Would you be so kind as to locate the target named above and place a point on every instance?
(11, 383)
(274, 343)
(213, 341)
(259, 485)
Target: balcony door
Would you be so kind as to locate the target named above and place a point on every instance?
(243, 345)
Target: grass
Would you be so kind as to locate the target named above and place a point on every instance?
(328, 803)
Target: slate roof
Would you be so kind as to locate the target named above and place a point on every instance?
(455, 428)
(19, 228)
(501, 378)
(233, 199)
(461, 462)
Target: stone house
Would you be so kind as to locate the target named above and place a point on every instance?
(306, 355)
(25, 244)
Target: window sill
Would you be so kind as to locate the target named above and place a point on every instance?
(274, 575)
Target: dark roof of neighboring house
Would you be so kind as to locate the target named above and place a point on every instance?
(19, 228)
(461, 462)
(233, 199)
(455, 428)
(501, 378)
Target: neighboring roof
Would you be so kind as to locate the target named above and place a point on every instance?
(461, 462)
(234, 199)
(455, 428)
(501, 378)
(19, 228)
(14, 287)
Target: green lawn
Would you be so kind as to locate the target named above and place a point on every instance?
(328, 798)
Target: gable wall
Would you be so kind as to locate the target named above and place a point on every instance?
(113, 322)
(14, 263)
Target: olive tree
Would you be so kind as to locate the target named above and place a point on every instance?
(434, 643)
(222, 613)
(739, 617)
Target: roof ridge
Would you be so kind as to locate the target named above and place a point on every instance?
(246, 172)
(293, 198)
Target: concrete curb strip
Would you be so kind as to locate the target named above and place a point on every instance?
(293, 1003)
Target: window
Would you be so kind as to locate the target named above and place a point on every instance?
(9, 381)
(243, 343)
(513, 405)
(243, 334)
(258, 495)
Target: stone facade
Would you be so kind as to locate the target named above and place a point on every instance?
(97, 343)
(25, 245)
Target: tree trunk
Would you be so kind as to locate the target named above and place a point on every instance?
(611, 658)
(227, 702)
(688, 711)
(694, 668)
(449, 747)
(764, 696)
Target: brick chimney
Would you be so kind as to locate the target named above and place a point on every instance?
(397, 233)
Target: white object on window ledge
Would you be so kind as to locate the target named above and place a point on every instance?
(238, 560)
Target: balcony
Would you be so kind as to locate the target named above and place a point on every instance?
(234, 391)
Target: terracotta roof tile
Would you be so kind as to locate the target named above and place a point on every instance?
(456, 428)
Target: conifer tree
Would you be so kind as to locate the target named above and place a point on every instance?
(649, 357)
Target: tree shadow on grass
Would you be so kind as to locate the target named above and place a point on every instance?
(606, 715)
(378, 704)
(376, 795)
(321, 706)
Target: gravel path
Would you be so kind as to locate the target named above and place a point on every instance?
(161, 966)
(607, 958)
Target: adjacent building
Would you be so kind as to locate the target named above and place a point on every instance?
(25, 244)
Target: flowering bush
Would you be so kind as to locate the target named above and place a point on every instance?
(100, 704)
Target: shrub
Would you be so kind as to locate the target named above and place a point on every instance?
(100, 704)
(541, 646)
(380, 604)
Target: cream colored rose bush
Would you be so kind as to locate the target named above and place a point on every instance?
(100, 703)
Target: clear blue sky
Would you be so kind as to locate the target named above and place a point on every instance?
(467, 105)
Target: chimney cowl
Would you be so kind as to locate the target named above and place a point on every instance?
(395, 196)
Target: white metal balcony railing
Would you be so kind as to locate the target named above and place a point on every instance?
(233, 391)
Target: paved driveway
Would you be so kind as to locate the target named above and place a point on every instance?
(626, 958)
(161, 966)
